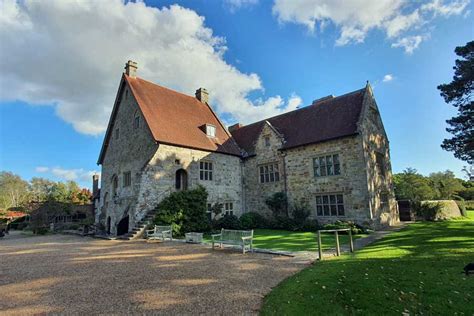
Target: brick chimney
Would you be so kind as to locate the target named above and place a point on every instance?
(131, 69)
(234, 127)
(95, 185)
(202, 95)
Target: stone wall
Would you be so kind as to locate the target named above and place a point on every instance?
(303, 185)
(380, 184)
(159, 177)
(130, 152)
(368, 194)
(255, 192)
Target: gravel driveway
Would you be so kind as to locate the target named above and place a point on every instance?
(68, 274)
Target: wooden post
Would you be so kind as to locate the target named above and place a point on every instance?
(338, 251)
(351, 244)
(319, 246)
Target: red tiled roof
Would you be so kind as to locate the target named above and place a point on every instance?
(328, 119)
(176, 119)
(11, 214)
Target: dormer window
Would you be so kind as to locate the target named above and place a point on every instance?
(210, 130)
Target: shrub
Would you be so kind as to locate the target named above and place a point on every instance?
(277, 203)
(310, 225)
(252, 220)
(228, 222)
(300, 213)
(41, 231)
(355, 228)
(216, 209)
(469, 204)
(462, 207)
(427, 211)
(283, 222)
(186, 210)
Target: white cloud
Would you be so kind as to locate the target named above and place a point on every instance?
(41, 169)
(409, 43)
(387, 78)
(402, 23)
(237, 4)
(63, 174)
(439, 7)
(356, 18)
(71, 54)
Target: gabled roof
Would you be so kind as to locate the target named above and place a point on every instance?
(175, 119)
(330, 118)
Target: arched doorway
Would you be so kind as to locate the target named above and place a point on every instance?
(109, 220)
(122, 227)
(181, 180)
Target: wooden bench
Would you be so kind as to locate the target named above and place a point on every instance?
(243, 238)
(160, 232)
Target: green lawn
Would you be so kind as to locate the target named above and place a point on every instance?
(417, 270)
(294, 241)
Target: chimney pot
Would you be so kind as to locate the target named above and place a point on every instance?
(95, 185)
(234, 127)
(131, 69)
(202, 95)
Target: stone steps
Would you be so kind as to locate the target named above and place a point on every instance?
(138, 230)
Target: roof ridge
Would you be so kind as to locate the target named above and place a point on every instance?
(163, 87)
(301, 108)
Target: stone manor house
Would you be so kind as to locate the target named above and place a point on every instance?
(333, 155)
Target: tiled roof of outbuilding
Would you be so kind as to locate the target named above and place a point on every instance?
(330, 118)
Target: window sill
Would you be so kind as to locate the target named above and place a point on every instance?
(325, 177)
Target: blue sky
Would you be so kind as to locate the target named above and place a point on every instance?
(257, 58)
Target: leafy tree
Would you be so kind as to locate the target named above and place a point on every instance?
(459, 93)
(59, 193)
(83, 196)
(13, 190)
(40, 189)
(445, 184)
(469, 171)
(411, 185)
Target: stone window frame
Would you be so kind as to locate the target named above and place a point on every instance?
(269, 172)
(380, 165)
(330, 202)
(206, 170)
(317, 167)
(266, 140)
(228, 207)
(136, 120)
(384, 199)
(115, 185)
(127, 179)
(209, 211)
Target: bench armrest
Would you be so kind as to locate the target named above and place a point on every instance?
(247, 237)
(215, 235)
(165, 231)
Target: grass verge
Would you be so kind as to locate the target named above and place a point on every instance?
(417, 270)
(294, 241)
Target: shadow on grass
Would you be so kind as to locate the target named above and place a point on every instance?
(417, 270)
